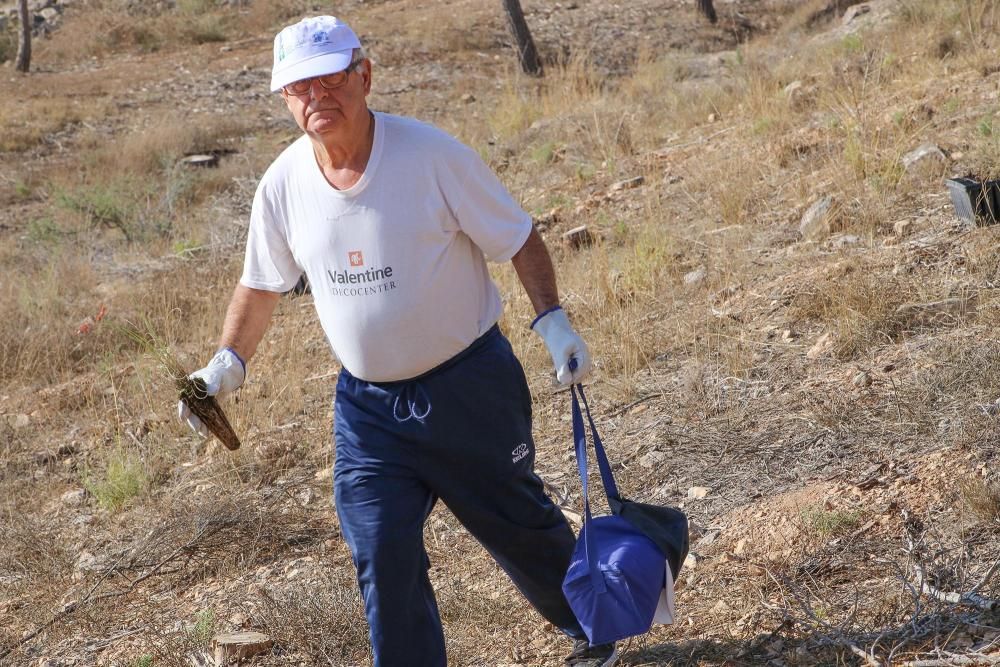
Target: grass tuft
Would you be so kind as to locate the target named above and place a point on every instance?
(124, 480)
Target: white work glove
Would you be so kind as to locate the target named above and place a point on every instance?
(224, 374)
(564, 345)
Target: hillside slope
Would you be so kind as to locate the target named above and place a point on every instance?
(793, 331)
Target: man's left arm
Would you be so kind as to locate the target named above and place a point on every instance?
(536, 273)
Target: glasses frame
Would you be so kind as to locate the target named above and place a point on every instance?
(346, 71)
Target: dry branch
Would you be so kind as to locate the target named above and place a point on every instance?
(971, 598)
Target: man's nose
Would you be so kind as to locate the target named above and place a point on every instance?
(317, 90)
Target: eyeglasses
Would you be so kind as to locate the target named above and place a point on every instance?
(328, 81)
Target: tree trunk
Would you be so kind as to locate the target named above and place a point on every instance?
(23, 61)
(706, 8)
(526, 52)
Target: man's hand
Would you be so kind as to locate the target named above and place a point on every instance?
(564, 345)
(224, 374)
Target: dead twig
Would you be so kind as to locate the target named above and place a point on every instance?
(969, 599)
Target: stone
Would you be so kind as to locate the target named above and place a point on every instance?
(821, 347)
(792, 88)
(20, 421)
(926, 159)
(698, 492)
(207, 160)
(74, 497)
(692, 560)
(861, 380)
(578, 237)
(695, 277)
(854, 11)
(652, 459)
(468, 98)
(720, 608)
(628, 183)
(815, 221)
(902, 228)
(842, 241)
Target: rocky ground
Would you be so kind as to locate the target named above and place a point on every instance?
(793, 329)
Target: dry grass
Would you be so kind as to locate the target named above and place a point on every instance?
(710, 374)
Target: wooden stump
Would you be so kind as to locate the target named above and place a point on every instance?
(235, 646)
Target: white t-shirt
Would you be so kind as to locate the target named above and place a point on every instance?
(396, 262)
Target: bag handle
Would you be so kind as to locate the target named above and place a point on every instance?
(610, 488)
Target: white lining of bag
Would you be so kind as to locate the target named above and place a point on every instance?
(665, 608)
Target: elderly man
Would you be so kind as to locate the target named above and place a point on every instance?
(392, 222)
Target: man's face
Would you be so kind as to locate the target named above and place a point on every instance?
(341, 111)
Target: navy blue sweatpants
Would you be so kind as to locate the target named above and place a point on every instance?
(461, 433)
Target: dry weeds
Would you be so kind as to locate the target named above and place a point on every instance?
(843, 476)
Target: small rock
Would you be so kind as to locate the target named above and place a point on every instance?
(861, 380)
(468, 98)
(546, 220)
(695, 277)
(692, 560)
(578, 237)
(628, 183)
(793, 88)
(207, 160)
(815, 221)
(822, 346)
(74, 497)
(712, 118)
(927, 160)
(854, 11)
(20, 421)
(740, 547)
(698, 492)
(720, 608)
(902, 228)
(652, 459)
(844, 241)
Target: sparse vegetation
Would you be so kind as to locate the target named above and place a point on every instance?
(123, 480)
(830, 522)
(846, 441)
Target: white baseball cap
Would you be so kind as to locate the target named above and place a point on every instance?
(312, 47)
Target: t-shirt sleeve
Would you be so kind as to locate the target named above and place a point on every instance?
(269, 264)
(486, 212)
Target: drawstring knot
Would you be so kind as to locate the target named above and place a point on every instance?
(412, 396)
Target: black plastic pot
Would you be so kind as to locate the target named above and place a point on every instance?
(977, 202)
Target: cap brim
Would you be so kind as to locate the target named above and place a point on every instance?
(325, 63)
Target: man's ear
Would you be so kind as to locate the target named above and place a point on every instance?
(366, 74)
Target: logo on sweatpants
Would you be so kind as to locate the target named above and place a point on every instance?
(520, 452)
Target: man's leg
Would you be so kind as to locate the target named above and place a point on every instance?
(382, 507)
(482, 467)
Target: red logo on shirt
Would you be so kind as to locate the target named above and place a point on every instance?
(356, 258)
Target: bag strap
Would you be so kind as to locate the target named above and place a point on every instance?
(607, 478)
(610, 488)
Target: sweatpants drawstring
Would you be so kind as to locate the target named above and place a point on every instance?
(412, 394)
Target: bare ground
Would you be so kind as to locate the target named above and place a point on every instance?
(844, 446)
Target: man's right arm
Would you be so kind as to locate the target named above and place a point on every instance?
(247, 319)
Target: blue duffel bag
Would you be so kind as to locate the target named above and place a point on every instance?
(623, 566)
